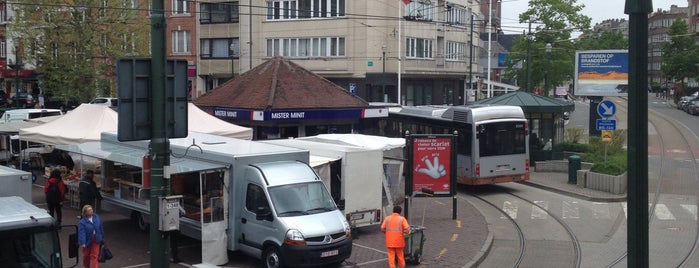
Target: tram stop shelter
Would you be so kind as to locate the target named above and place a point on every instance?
(546, 121)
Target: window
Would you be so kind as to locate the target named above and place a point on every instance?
(180, 42)
(226, 12)
(455, 51)
(420, 10)
(306, 47)
(418, 48)
(304, 9)
(256, 199)
(456, 15)
(220, 48)
(180, 7)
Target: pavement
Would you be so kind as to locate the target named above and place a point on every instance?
(465, 241)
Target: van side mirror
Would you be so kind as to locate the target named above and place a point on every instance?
(263, 213)
(341, 204)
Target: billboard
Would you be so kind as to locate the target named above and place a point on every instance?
(432, 164)
(601, 72)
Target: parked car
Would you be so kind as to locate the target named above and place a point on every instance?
(683, 101)
(111, 102)
(693, 107)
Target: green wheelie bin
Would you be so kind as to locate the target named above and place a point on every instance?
(413, 245)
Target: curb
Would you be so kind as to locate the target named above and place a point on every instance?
(485, 249)
(620, 198)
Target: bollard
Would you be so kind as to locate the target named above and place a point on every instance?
(573, 167)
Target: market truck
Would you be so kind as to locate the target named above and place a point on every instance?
(29, 236)
(260, 199)
(353, 175)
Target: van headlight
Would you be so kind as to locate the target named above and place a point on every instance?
(294, 237)
(348, 229)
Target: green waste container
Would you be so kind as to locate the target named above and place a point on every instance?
(573, 167)
(413, 245)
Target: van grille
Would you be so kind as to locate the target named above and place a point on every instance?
(319, 239)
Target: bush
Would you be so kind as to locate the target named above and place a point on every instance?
(615, 165)
(593, 152)
(573, 147)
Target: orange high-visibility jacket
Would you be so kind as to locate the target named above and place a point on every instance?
(394, 227)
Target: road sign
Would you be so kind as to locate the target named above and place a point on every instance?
(607, 135)
(606, 109)
(603, 124)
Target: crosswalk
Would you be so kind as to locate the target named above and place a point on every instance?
(595, 210)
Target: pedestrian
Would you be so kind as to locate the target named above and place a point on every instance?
(87, 190)
(90, 235)
(55, 191)
(396, 228)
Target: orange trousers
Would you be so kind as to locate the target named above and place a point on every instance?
(392, 254)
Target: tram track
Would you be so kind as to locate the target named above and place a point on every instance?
(533, 249)
(667, 140)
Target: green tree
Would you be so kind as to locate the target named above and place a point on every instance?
(73, 44)
(680, 54)
(553, 22)
(605, 39)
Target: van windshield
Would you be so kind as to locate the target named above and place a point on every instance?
(301, 199)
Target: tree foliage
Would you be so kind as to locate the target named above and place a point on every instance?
(606, 39)
(680, 54)
(74, 43)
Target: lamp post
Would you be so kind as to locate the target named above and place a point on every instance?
(529, 57)
(231, 47)
(383, 58)
(546, 78)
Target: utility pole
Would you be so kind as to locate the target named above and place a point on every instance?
(637, 160)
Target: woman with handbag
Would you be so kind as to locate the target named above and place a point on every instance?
(90, 235)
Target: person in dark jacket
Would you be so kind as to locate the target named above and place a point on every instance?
(90, 235)
(87, 189)
(54, 204)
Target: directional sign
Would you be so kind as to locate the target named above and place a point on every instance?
(606, 109)
(606, 124)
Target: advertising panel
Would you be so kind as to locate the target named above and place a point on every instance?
(432, 164)
(601, 72)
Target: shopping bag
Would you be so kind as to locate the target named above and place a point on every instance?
(105, 253)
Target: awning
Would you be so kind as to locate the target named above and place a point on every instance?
(507, 87)
(133, 156)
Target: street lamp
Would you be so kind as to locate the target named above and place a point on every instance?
(546, 78)
(383, 58)
(232, 53)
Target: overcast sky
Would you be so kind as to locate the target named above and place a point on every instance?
(598, 10)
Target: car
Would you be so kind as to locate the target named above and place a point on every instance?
(693, 107)
(108, 101)
(683, 101)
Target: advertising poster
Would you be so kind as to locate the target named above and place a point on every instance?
(432, 164)
(601, 73)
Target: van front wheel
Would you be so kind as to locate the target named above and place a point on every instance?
(272, 257)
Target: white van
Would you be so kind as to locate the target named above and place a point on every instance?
(24, 114)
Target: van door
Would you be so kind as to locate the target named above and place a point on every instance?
(256, 218)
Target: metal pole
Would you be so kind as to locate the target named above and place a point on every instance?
(548, 63)
(529, 58)
(490, 34)
(637, 232)
(470, 64)
(159, 144)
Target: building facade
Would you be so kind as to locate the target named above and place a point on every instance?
(659, 23)
(383, 51)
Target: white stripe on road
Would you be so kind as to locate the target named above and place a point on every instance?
(510, 208)
(571, 210)
(692, 209)
(600, 211)
(538, 213)
(663, 213)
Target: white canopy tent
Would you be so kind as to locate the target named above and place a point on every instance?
(88, 121)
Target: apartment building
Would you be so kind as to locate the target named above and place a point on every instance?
(413, 52)
(659, 23)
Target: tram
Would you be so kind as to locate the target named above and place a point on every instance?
(492, 143)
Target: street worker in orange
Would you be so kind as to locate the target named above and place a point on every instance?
(396, 228)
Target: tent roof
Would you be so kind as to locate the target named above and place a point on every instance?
(88, 121)
(84, 123)
(530, 103)
(359, 140)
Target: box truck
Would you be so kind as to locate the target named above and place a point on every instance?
(260, 199)
(354, 176)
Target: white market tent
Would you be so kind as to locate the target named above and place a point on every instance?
(88, 121)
